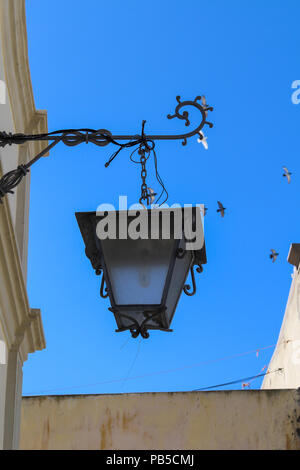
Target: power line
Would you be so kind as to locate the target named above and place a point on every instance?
(177, 369)
(237, 381)
(133, 362)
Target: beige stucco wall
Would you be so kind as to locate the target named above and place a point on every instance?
(189, 420)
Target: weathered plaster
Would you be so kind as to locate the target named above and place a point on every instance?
(190, 420)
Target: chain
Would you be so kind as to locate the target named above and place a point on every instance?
(144, 187)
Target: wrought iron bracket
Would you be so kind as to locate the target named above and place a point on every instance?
(101, 138)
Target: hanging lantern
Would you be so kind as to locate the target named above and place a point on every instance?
(144, 258)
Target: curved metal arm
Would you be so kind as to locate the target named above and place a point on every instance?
(101, 138)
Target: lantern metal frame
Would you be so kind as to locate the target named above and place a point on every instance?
(87, 222)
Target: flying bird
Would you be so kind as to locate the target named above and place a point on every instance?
(221, 209)
(287, 174)
(273, 255)
(246, 384)
(203, 140)
(204, 104)
(152, 195)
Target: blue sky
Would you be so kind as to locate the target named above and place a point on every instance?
(111, 65)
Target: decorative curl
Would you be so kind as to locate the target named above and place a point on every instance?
(137, 329)
(101, 138)
(187, 287)
(185, 116)
(103, 289)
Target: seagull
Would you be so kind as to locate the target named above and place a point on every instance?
(287, 174)
(221, 208)
(204, 104)
(203, 140)
(152, 195)
(273, 256)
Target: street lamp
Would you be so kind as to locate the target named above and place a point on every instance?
(145, 276)
(142, 276)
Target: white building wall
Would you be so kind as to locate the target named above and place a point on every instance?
(10, 155)
(8, 161)
(20, 326)
(3, 370)
(287, 351)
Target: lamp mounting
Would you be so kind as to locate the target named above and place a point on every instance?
(101, 138)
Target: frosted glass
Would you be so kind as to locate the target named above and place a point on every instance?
(137, 269)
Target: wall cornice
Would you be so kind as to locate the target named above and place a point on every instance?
(22, 326)
(17, 71)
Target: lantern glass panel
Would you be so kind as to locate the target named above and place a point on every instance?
(137, 269)
(179, 275)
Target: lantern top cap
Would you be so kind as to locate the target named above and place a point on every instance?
(190, 228)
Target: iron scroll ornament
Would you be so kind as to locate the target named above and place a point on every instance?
(101, 138)
(137, 329)
(187, 287)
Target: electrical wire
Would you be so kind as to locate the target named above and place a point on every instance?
(237, 381)
(161, 372)
(133, 363)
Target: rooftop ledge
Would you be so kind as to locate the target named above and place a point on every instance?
(294, 254)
